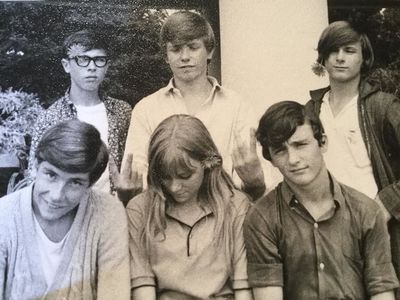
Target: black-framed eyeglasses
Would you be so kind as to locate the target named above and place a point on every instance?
(84, 60)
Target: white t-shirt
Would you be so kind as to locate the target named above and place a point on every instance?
(347, 157)
(96, 115)
(51, 253)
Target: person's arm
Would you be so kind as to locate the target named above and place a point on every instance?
(270, 293)
(113, 254)
(128, 183)
(143, 280)
(144, 292)
(244, 294)
(264, 262)
(137, 141)
(384, 296)
(248, 165)
(390, 194)
(378, 273)
(3, 267)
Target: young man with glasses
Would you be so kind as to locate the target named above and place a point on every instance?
(86, 61)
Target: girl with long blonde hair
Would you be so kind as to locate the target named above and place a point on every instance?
(186, 239)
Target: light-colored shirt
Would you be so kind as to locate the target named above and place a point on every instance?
(347, 157)
(223, 113)
(95, 264)
(96, 115)
(51, 253)
(187, 264)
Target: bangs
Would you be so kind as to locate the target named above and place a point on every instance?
(173, 163)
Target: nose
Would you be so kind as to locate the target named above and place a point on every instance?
(92, 65)
(340, 55)
(293, 157)
(185, 53)
(175, 185)
(56, 192)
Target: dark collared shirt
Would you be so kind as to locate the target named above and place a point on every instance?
(344, 255)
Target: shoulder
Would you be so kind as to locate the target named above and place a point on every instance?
(359, 203)
(152, 100)
(106, 208)
(264, 209)
(138, 204)
(239, 202)
(232, 96)
(118, 104)
(9, 206)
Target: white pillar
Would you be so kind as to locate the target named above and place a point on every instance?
(268, 47)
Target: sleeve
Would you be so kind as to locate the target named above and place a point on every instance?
(138, 138)
(239, 250)
(390, 194)
(3, 264)
(141, 271)
(38, 131)
(379, 274)
(113, 255)
(264, 263)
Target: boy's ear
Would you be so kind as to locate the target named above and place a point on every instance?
(324, 143)
(210, 54)
(66, 65)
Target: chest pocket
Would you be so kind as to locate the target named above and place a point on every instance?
(356, 145)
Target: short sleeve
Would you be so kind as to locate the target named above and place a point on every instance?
(264, 265)
(141, 272)
(240, 280)
(379, 274)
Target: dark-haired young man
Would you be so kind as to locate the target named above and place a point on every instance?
(362, 123)
(59, 239)
(188, 43)
(313, 237)
(86, 60)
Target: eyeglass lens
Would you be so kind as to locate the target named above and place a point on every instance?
(84, 61)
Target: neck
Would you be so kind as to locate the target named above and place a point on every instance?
(317, 191)
(343, 90)
(342, 93)
(83, 97)
(199, 88)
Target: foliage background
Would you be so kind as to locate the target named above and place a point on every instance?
(382, 26)
(31, 35)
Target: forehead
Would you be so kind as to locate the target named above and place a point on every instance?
(67, 176)
(180, 43)
(94, 52)
(303, 132)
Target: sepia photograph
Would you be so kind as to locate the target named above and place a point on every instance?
(200, 149)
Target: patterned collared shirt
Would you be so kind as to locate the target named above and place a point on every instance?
(118, 116)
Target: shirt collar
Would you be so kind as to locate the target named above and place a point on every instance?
(173, 213)
(170, 88)
(336, 190)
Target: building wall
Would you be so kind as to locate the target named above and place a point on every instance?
(268, 47)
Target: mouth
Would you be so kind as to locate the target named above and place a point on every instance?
(52, 205)
(298, 170)
(340, 68)
(186, 67)
(91, 78)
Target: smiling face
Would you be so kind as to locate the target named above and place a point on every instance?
(188, 61)
(86, 78)
(300, 158)
(56, 192)
(344, 64)
(185, 185)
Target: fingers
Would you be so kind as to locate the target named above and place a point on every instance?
(126, 171)
(253, 140)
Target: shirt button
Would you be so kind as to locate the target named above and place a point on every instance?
(322, 266)
(315, 225)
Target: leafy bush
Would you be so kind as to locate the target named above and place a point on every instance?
(18, 113)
